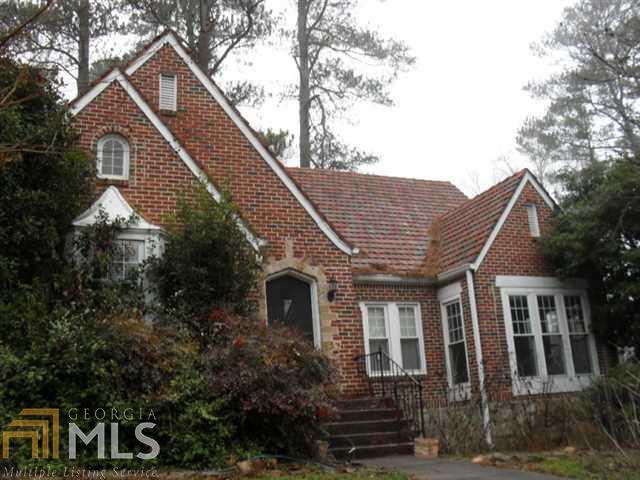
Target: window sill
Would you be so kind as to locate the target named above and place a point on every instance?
(556, 384)
(460, 393)
(421, 374)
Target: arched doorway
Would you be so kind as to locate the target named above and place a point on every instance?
(292, 300)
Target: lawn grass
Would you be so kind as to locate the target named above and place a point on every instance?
(590, 467)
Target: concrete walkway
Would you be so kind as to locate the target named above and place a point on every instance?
(447, 469)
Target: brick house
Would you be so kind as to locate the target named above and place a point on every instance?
(453, 290)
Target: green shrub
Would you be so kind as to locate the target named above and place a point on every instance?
(219, 384)
(207, 262)
(45, 181)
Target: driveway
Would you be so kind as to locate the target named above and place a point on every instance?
(446, 469)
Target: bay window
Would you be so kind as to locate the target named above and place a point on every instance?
(396, 330)
(547, 324)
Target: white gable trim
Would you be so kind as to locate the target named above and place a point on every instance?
(116, 75)
(115, 206)
(527, 178)
(170, 39)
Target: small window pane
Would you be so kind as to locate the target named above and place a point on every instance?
(377, 327)
(581, 354)
(125, 259)
(410, 354)
(575, 317)
(548, 315)
(117, 272)
(554, 354)
(407, 322)
(458, 356)
(454, 322)
(520, 315)
(377, 363)
(526, 356)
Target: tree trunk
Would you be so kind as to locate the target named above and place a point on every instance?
(304, 95)
(204, 36)
(83, 45)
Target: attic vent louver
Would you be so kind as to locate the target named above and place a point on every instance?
(534, 227)
(168, 92)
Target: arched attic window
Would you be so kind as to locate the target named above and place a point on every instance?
(113, 157)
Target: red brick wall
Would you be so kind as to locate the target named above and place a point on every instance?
(514, 252)
(209, 135)
(434, 383)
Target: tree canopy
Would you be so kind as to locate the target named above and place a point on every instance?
(340, 62)
(45, 180)
(597, 236)
(593, 108)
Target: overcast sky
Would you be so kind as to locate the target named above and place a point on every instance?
(459, 108)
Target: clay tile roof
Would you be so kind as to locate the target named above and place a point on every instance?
(465, 229)
(387, 218)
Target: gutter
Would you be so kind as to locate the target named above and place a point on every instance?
(455, 272)
(387, 279)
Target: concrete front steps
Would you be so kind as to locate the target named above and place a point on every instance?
(369, 428)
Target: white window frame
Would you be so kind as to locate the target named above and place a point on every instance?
(174, 106)
(392, 321)
(531, 287)
(125, 157)
(460, 391)
(152, 243)
(142, 253)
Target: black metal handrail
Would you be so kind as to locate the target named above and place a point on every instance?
(387, 379)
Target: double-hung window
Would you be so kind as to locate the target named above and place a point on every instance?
(456, 346)
(455, 342)
(547, 326)
(395, 329)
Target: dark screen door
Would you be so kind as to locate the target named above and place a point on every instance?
(289, 303)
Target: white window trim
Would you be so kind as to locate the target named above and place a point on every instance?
(174, 106)
(125, 157)
(544, 383)
(461, 391)
(392, 319)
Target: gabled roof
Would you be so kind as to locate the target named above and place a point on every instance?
(115, 206)
(468, 231)
(115, 75)
(387, 217)
(410, 228)
(171, 39)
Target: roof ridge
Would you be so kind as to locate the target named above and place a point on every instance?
(365, 174)
(468, 201)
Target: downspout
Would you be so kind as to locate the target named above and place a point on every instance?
(486, 417)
